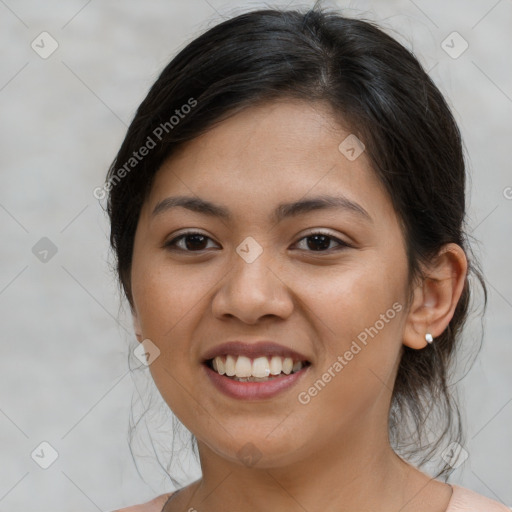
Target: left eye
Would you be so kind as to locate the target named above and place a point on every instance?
(320, 242)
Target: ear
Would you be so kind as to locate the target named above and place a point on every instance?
(136, 325)
(436, 296)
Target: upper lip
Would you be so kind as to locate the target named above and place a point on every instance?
(253, 350)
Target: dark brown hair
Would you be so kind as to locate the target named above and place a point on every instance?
(377, 88)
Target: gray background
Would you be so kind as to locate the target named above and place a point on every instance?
(65, 342)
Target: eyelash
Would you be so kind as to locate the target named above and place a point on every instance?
(171, 244)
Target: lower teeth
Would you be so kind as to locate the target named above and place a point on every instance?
(254, 379)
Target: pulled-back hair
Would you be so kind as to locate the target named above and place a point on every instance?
(376, 88)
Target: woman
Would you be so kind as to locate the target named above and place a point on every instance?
(287, 214)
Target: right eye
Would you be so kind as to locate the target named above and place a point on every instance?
(191, 241)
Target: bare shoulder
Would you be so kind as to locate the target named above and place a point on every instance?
(155, 505)
(466, 499)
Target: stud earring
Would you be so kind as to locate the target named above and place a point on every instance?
(429, 338)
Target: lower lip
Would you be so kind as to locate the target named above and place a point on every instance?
(253, 390)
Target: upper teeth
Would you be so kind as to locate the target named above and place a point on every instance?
(242, 366)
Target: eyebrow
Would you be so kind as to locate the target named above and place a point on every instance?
(284, 210)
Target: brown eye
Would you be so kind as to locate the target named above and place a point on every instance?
(189, 242)
(320, 242)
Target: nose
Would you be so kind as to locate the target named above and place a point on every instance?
(252, 291)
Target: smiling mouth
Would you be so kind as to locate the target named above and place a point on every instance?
(259, 369)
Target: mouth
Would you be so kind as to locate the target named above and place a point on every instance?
(254, 371)
(260, 369)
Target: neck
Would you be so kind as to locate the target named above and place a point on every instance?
(362, 473)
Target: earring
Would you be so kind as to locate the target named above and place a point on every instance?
(429, 338)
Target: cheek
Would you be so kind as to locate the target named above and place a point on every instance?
(166, 300)
(164, 295)
(360, 316)
(165, 304)
(349, 301)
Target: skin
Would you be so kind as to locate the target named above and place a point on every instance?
(333, 453)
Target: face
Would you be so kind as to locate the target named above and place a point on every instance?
(258, 257)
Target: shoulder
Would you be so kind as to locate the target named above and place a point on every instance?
(155, 505)
(466, 500)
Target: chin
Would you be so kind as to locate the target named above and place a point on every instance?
(258, 450)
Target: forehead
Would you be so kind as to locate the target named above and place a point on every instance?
(267, 154)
